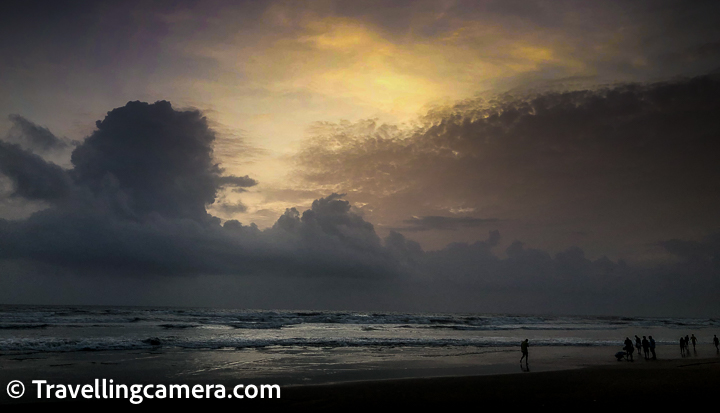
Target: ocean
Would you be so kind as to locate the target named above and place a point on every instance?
(44, 329)
(78, 344)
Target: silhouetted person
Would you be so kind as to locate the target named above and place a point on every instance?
(629, 349)
(652, 348)
(682, 346)
(646, 347)
(687, 344)
(716, 342)
(638, 344)
(694, 340)
(524, 348)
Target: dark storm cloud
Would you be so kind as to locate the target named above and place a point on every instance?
(134, 205)
(428, 223)
(135, 202)
(93, 240)
(706, 250)
(326, 240)
(638, 156)
(158, 159)
(524, 269)
(658, 134)
(529, 279)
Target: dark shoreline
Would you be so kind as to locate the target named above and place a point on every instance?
(641, 385)
(653, 384)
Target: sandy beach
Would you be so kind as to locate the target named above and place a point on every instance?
(558, 376)
(641, 385)
(652, 385)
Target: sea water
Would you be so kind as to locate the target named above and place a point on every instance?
(43, 329)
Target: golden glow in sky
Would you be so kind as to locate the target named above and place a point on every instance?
(265, 72)
(276, 78)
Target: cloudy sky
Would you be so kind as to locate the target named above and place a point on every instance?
(504, 156)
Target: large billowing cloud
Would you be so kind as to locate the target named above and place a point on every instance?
(154, 159)
(133, 207)
(136, 198)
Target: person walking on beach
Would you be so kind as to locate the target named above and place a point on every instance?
(716, 342)
(646, 347)
(652, 348)
(694, 340)
(629, 348)
(524, 348)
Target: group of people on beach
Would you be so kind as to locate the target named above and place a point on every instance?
(647, 345)
(685, 344)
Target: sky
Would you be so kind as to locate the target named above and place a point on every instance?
(494, 156)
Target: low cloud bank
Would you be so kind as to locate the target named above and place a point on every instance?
(629, 165)
(133, 207)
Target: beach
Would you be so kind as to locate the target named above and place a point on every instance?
(651, 385)
(558, 377)
(324, 360)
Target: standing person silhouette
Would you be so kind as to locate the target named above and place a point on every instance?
(694, 340)
(638, 344)
(652, 348)
(646, 347)
(716, 342)
(524, 348)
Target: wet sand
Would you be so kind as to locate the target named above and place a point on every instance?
(642, 385)
(559, 376)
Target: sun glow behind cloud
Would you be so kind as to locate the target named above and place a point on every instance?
(341, 68)
(278, 77)
(482, 145)
(264, 72)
